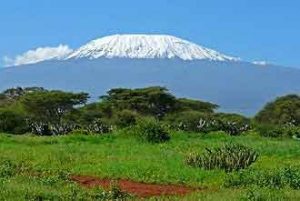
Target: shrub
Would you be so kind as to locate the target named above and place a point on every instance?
(151, 130)
(293, 131)
(275, 179)
(99, 126)
(230, 157)
(268, 130)
(233, 124)
(126, 118)
(192, 121)
(284, 110)
(12, 122)
(233, 128)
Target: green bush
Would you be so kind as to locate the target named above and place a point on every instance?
(192, 121)
(99, 126)
(282, 111)
(230, 157)
(12, 122)
(233, 124)
(293, 131)
(151, 130)
(268, 130)
(126, 118)
(275, 179)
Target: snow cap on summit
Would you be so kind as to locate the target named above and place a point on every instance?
(142, 46)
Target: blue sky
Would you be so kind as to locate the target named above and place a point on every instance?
(251, 29)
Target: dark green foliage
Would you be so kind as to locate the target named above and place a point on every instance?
(126, 118)
(94, 118)
(233, 124)
(283, 111)
(269, 130)
(156, 101)
(184, 104)
(277, 179)
(12, 122)
(99, 126)
(16, 93)
(57, 112)
(230, 157)
(12, 95)
(192, 121)
(151, 130)
(46, 110)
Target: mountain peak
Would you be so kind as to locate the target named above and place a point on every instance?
(142, 46)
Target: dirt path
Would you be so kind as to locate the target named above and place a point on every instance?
(134, 188)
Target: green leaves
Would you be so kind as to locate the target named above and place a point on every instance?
(154, 101)
(151, 130)
(284, 110)
(230, 157)
(46, 109)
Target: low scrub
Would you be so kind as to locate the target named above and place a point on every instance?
(275, 179)
(8, 168)
(262, 194)
(99, 126)
(151, 130)
(232, 124)
(193, 121)
(230, 157)
(269, 130)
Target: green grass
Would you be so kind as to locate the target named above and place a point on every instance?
(43, 163)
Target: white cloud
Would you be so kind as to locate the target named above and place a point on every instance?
(261, 63)
(38, 55)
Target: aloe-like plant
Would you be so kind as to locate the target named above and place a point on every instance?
(230, 157)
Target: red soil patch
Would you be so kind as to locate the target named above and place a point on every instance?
(134, 188)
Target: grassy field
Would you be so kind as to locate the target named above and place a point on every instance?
(37, 168)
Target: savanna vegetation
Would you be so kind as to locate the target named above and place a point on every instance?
(146, 135)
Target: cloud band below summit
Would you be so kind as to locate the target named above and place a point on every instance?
(38, 55)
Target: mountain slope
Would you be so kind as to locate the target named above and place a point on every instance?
(236, 86)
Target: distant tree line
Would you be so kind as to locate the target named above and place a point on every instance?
(53, 112)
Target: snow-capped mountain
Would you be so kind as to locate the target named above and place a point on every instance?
(137, 46)
(185, 68)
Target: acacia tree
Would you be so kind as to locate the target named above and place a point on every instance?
(12, 95)
(184, 104)
(283, 111)
(46, 110)
(156, 101)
